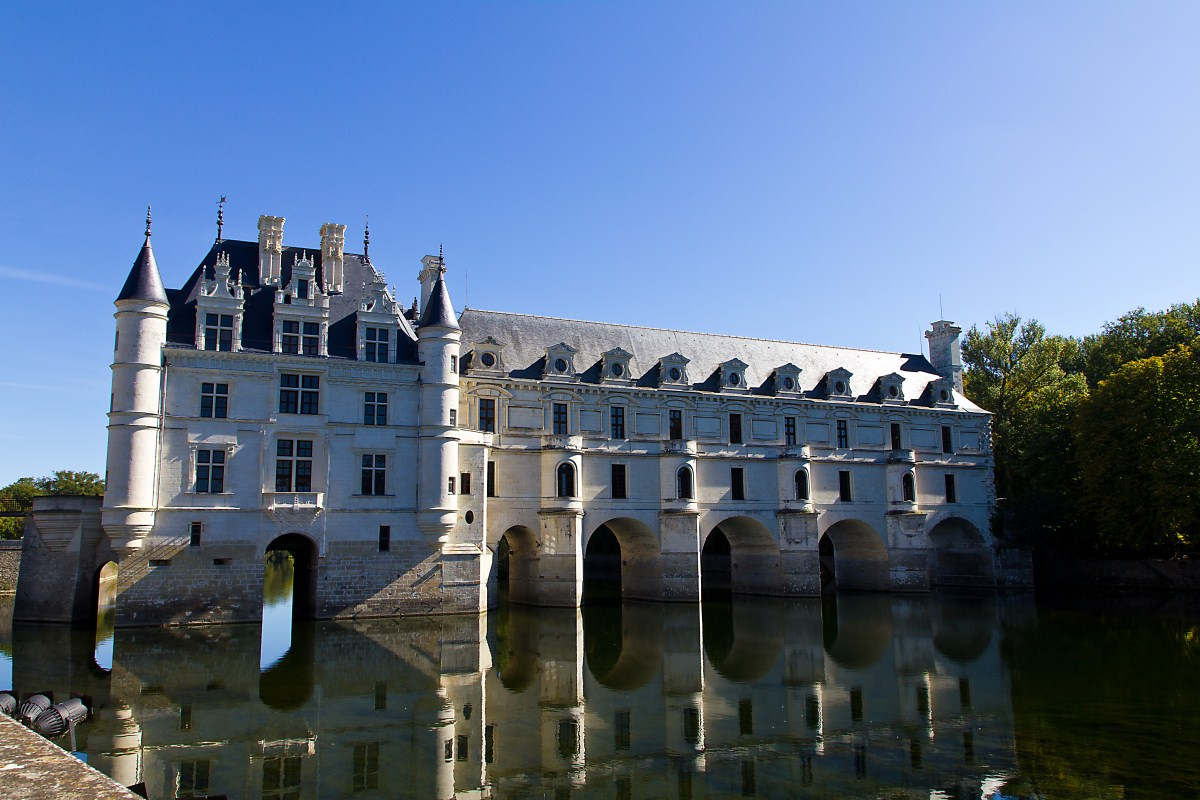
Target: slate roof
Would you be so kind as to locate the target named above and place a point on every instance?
(525, 339)
(438, 311)
(257, 322)
(144, 282)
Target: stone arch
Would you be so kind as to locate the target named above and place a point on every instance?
(740, 555)
(515, 565)
(959, 554)
(743, 638)
(304, 552)
(853, 556)
(623, 644)
(628, 549)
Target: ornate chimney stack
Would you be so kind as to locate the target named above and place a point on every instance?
(270, 249)
(333, 243)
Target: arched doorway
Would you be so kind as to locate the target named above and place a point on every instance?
(621, 561)
(516, 566)
(739, 556)
(106, 608)
(961, 556)
(853, 556)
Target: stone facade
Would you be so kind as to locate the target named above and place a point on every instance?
(10, 566)
(413, 460)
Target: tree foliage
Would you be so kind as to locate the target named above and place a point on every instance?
(1137, 335)
(18, 496)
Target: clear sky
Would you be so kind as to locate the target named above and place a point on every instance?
(813, 172)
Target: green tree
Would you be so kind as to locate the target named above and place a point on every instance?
(1138, 439)
(1021, 375)
(17, 497)
(85, 484)
(1137, 335)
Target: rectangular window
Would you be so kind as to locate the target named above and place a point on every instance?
(453, 417)
(560, 418)
(735, 428)
(675, 424)
(290, 343)
(195, 530)
(462, 749)
(302, 289)
(366, 766)
(210, 471)
(491, 479)
(789, 430)
(856, 705)
(618, 482)
(450, 485)
(193, 778)
(617, 422)
(385, 538)
(843, 434)
(947, 440)
(311, 340)
(951, 490)
(464, 483)
(376, 347)
(737, 482)
(489, 744)
(745, 718)
(375, 408)
(896, 436)
(310, 394)
(214, 400)
(185, 717)
(454, 363)
(623, 731)
(374, 473)
(844, 487)
(289, 393)
(487, 415)
(218, 332)
(293, 465)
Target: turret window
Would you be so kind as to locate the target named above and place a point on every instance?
(374, 473)
(218, 332)
(566, 480)
(214, 400)
(683, 481)
(210, 471)
(293, 465)
(801, 484)
(908, 489)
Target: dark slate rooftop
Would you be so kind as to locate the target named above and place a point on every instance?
(438, 312)
(257, 322)
(525, 339)
(144, 282)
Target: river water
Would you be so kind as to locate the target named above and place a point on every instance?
(854, 696)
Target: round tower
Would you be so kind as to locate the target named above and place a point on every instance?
(438, 336)
(133, 419)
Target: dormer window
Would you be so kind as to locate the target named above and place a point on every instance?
(301, 313)
(302, 289)
(376, 346)
(560, 362)
(219, 310)
(614, 366)
(733, 375)
(891, 388)
(672, 371)
(941, 393)
(218, 332)
(486, 357)
(837, 384)
(787, 379)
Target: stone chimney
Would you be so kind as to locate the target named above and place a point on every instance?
(432, 268)
(944, 352)
(270, 249)
(333, 242)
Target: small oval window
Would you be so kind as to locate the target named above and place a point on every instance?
(789, 384)
(675, 373)
(488, 360)
(945, 395)
(560, 364)
(893, 391)
(734, 379)
(618, 370)
(839, 387)
(469, 517)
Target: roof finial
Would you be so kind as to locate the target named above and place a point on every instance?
(366, 238)
(220, 218)
(441, 260)
(147, 220)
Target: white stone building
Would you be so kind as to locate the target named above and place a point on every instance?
(415, 460)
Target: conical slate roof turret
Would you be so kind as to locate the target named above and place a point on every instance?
(144, 282)
(438, 311)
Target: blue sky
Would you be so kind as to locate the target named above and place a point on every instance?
(802, 171)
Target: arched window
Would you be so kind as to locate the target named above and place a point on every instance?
(683, 481)
(801, 484)
(566, 480)
(908, 488)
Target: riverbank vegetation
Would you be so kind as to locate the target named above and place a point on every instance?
(1096, 440)
(17, 497)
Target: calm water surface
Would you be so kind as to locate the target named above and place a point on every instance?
(851, 696)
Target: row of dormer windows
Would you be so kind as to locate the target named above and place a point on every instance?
(301, 337)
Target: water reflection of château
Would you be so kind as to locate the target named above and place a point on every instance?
(844, 696)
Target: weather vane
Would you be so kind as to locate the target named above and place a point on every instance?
(220, 218)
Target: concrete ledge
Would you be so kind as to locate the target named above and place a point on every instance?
(34, 768)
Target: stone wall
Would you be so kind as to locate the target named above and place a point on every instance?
(10, 565)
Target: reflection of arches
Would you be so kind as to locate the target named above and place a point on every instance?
(742, 638)
(963, 625)
(287, 684)
(622, 643)
(753, 556)
(858, 628)
(104, 605)
(854, 557)
(515, 646)
(960, 555)
(516, 565)
(633, 563)
(602, 568)
(566, 479)
(304, 557)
